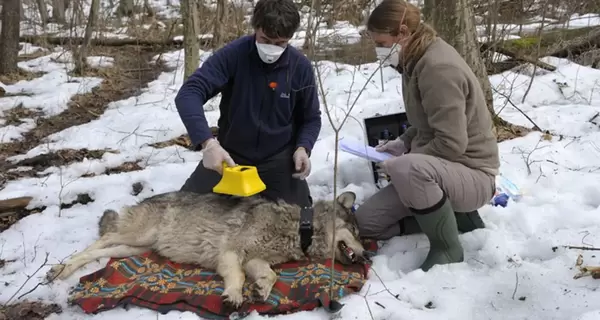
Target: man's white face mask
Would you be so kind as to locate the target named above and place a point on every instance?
(269, 53)
(389, 56)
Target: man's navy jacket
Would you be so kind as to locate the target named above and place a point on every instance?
(265, 108)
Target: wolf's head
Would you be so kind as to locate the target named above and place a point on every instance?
(346, 227)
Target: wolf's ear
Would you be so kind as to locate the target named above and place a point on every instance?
(347, 199)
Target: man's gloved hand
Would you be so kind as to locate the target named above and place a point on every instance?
(395, 147)
(302, 164)
(215, 155)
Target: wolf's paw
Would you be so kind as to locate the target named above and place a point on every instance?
(233, 297)
(264, 285)
(56, 272)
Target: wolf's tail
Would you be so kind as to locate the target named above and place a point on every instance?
(108, 222)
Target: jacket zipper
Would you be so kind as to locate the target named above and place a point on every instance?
(266, 78)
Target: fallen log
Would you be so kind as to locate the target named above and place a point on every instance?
(577, 46)
(110, 42)
(517, 57)
(14, 204)
(560, 43)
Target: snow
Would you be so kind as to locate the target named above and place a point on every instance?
(517, 242)
(510, 270)
(49, 93)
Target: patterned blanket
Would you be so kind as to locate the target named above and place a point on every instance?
(153, 282)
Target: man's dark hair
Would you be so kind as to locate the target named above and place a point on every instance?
(276, 18)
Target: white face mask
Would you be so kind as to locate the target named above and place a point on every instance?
(269, 53)
(389, 56)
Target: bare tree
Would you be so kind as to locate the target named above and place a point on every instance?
(9, 36)
(148, 8)
(312, 27)
(125, 9)
(58, 11)
(455, 22)
(92, 22)
(219, 24)
(191, 46)
(43, 9)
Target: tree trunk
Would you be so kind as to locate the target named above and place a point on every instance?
(43, 9)
(92, 21)
(219, 24)
(455, 23)
(429, 11)
(311, 29)
(9, 36)
(77, 16)
(126, 8)
(191, 48)
(58, 11)
(148, 9)
(22, 12)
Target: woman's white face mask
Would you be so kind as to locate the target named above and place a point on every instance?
(389, 56)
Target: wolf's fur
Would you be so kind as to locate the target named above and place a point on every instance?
(236, 237)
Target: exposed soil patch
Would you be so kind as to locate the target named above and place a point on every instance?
(133, 69)
(511, 131)
(14, 115)
(17, 94)
(28, 310)
(183, 141)
(14, 210)
(18, 76)
(43, 161)
(82, 198)
(33, 55)
(61, 158)
(124, 167)
(7, 219)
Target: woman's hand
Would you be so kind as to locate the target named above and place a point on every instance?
(395, 147)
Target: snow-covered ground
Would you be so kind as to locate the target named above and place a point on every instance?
(561, 203)
(511, 271)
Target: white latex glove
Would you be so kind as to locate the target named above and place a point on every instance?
(215, 155)
(395, 147)
(301, 163)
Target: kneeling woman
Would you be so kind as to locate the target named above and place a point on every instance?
(446, 162)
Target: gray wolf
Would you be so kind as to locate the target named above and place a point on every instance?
(237, 237)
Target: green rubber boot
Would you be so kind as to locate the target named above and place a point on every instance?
(469, 221)
(409, 225)
(440, 228)
(466, 222)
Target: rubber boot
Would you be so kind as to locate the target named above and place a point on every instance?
(469, 221)
(439, 225)
(466, 222)
(409, 225)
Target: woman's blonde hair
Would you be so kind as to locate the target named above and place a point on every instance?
(390, 15)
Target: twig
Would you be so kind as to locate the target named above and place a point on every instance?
(535, 126)
(367, 302)
(539, 45)
(385, 288)
(27, 280)
(577, 248)
(516, 285)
